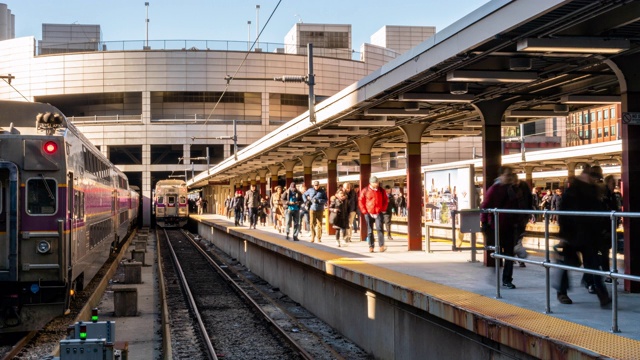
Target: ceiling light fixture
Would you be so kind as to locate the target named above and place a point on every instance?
(438, 97)
(397, 112)
(491, 76)
(458, 88)
(590, 99)
(367, 123)
(520, 64)
(534, 113)
(587, 45)
(412, 106)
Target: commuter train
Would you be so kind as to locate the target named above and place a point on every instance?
(64, 208)
(170, 203)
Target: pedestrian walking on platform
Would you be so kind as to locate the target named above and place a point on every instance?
(292, 199)
(339, 215)
(238, 207)
(373, 203)
(315, 198)
(388, 214)
(227, 206)
(582, 234)
(277, 209)
(252, 202)
(352, 201)
(502, 195)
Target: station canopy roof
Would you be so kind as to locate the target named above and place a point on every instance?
(536, 59)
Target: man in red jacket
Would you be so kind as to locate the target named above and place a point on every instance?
(373, 203)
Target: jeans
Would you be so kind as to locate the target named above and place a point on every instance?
(295, 216)
(238, 216)
(387, 224)
(378, 222)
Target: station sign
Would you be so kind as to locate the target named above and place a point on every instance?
(631, 118)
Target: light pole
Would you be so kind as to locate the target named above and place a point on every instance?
(146, 45)
(248, 35)
(257, 26)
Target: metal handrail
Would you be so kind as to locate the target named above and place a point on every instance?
(547, 264)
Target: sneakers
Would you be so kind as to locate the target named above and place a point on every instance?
(313, 240)
(591, 289)
(383, 248)
(295, 239)
(523, 264)
(286, 237)
(564, 299)
(608, 280)
(371, 249)
(338, 243)
(509, 285)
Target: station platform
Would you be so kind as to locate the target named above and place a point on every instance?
(449, 278)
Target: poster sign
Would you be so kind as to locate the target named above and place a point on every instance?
(449, 189)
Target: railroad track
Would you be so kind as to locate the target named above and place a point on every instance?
(241, 319)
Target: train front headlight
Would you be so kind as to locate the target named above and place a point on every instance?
(44, 247)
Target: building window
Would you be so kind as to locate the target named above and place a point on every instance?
(580, 118)
(613, 113)
(592, 117)
(580, 134)
(295, 100)
(613, 130)
(605, 114)
(599, 132)
(606, 131)
(599, 115)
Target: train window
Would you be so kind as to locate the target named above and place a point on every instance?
(160, 200)
(41, 196)
(171, 200)
(183, 200)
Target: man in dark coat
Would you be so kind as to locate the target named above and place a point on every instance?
(582, 234)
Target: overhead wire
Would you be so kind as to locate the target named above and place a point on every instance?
(242, 63)
(18, 91)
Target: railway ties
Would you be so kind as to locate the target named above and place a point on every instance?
(239, 313)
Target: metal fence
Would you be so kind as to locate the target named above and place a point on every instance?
(547, 262)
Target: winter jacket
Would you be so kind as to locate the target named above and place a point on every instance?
(317, 199)
(339, 213)
(252, 199)
(373, 201)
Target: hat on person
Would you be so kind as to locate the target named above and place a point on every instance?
(596, 172)
(373, 180)
(387, 187)
(239, 192)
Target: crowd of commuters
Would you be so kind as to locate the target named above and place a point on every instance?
(584, 240)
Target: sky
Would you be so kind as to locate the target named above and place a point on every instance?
(227, 20)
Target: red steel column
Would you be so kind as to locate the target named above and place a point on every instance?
(307, 166)
(273, 169)
(289, 165)
(263, 181)
(332, 182)
(365, 144)
(413, 134)
(626, 69)
(491, 114)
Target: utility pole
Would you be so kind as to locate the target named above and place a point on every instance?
(309, 79)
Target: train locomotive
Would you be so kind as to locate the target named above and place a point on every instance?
(64, 208)
(170, 203)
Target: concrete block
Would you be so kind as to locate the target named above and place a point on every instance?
(138, 256)
(125, 302)
(133, 272)
(140, 245)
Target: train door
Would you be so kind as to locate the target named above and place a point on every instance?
(8, 221)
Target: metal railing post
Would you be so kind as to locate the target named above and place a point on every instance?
(614, 269)
(496, 234)
(547, 270)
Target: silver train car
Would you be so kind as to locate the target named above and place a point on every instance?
(170, 203)
(63, 209)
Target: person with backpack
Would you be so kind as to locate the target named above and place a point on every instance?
(292, 199)
(315, 198)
